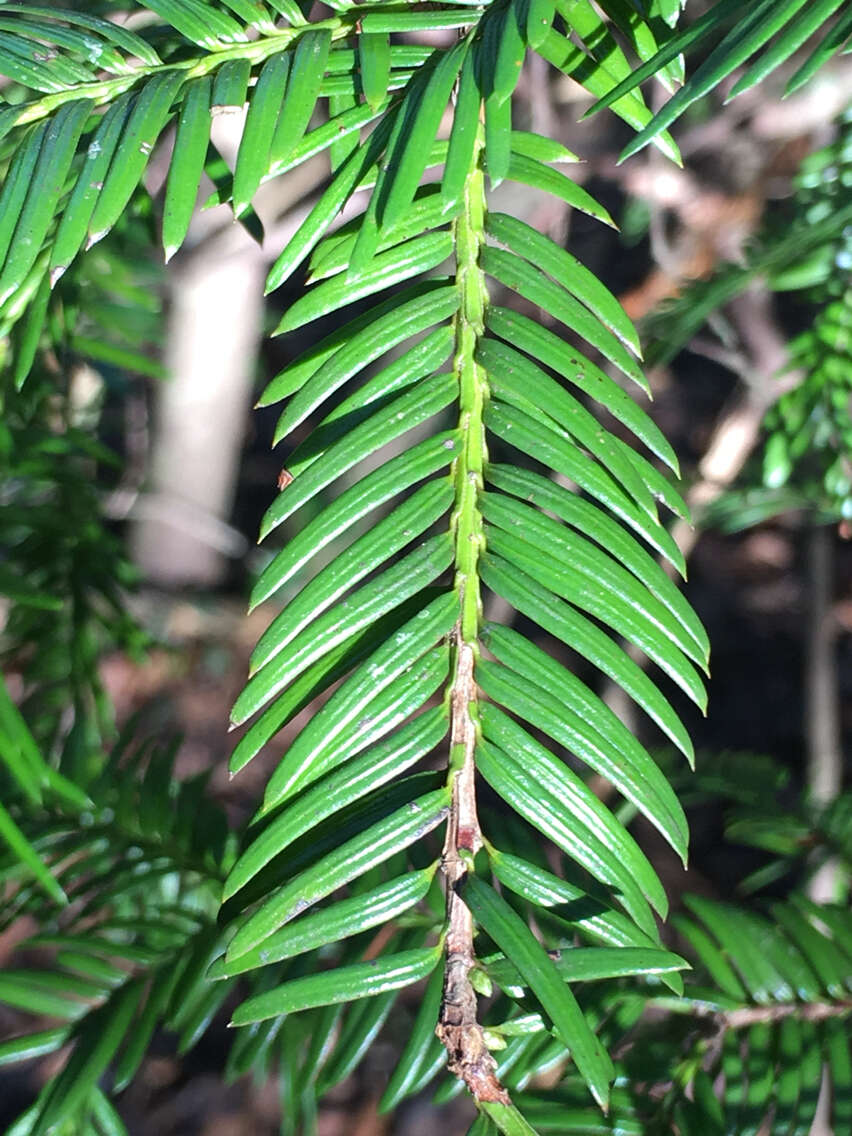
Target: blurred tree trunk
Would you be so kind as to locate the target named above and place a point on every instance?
(181, 536)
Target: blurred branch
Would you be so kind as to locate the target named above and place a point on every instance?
(761, 355)
(822, 704)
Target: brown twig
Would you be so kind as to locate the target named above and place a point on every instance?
(806, 1012)
(458, 1028)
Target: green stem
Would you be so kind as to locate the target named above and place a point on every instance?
(466, 523)
(469, 231)
(106, 90)
(458, 1027)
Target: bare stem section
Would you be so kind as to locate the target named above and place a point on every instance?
(458, 1027)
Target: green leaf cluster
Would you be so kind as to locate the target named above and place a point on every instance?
(433, 823)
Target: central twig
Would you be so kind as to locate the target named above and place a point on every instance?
(458, 1027)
